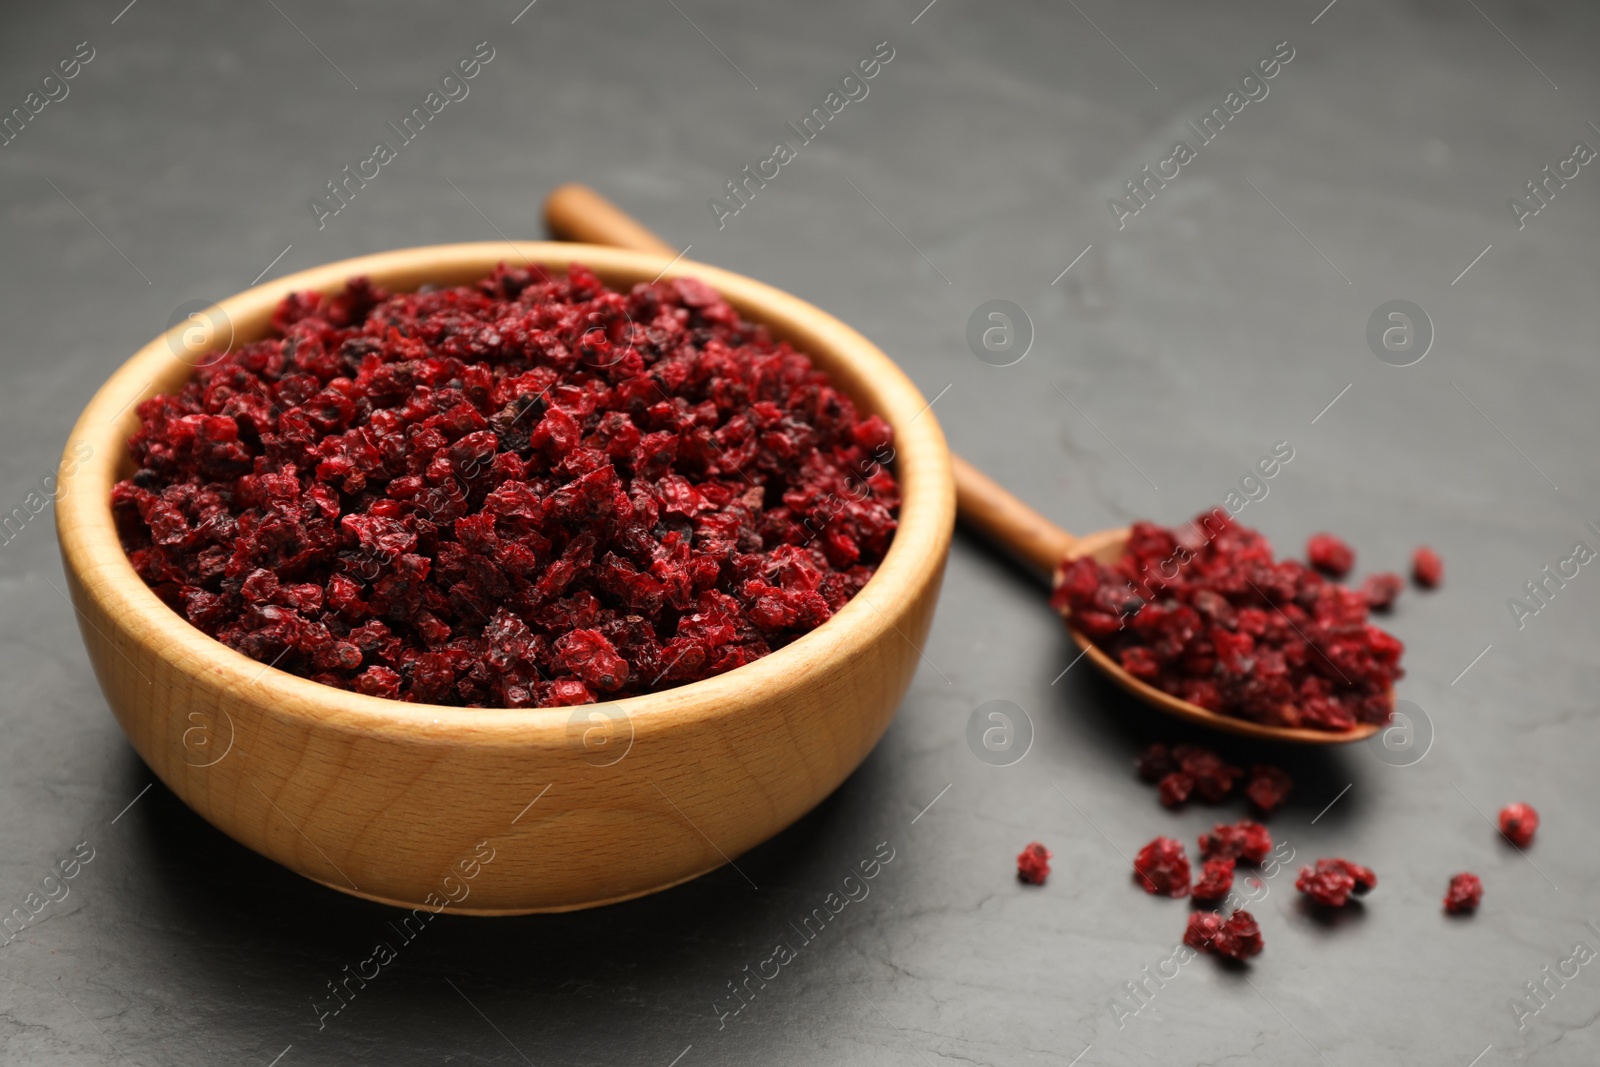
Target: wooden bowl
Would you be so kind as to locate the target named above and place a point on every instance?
(493, 811)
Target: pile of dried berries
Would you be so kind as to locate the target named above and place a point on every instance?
(532, 491)
(1033, 863)
(1464, 895)
(1519, 822)
(1331, 881)
(1162, 868)
(1185, 771)
(1205, 613)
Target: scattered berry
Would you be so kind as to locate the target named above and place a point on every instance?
(1175, 788)
(1162, 868)
(1269, 787)
(1464, 894)
(1154, 763)
(1366, 878)
(529, 491)
(1033, 863)
(1201, 931)
(1518, 822)
(1240, 937)
(1328, 884)
(1332, 881)
(1381, 590)
(1330, 555)
(1246, 839)
(1427, 569)
(1205, 613)
(1216, 878)
(1213, 777)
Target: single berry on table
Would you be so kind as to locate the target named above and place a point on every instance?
(1033, 863)
(1464, 895)
(1381, 590)
(1162, 868)
(1213, 776)
(1175, 788)
(1201, 930)
(1330, 555)
(1427, 569)
(1519, 822)
(1245, 840)
(1331, 881)
(1216, 879)
(1269, 787)
(1239, 937)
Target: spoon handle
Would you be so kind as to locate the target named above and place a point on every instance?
(990, 508)
(578, 213)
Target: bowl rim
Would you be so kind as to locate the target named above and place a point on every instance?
(93, 555)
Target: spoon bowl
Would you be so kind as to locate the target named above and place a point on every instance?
(985, 504)
(1107, 547)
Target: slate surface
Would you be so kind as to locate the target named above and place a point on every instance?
(1220, 319)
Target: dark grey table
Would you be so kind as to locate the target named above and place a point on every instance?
(1171, 348)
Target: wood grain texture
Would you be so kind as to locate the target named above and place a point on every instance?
(386, 800)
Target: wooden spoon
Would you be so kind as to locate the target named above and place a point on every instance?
(578, 213)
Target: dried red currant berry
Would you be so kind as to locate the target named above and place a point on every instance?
(1216, 878)
(1332, 881)
(1464, 895)
(1269, 787)
(1518, 822)
(1033, 863)
(1213, 777)
(1175, 789)
(1330, 555)
(1154, 763)
(587, 654)
(1162, 868)
(1201, 931)
(1240, 937)
(1246, 840)
(1380, 590)
(1366, 878)
(1427, 569)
